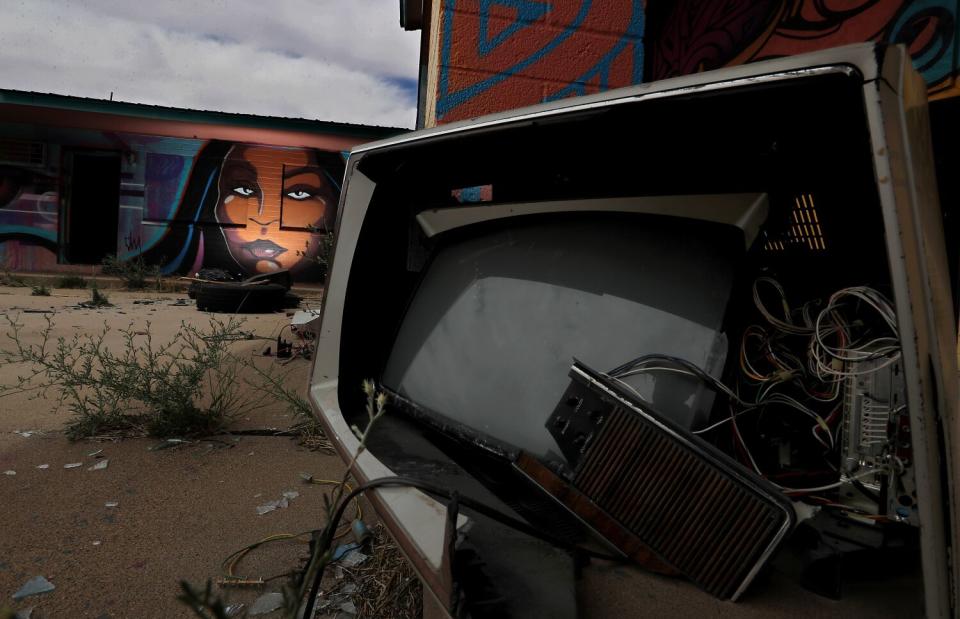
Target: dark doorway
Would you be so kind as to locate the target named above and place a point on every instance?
(93, 207)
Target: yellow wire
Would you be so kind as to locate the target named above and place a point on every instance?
(331, 482)
(231, 562)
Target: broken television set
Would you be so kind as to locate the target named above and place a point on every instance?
(686, 356)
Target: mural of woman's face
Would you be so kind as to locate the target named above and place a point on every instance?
(269, 199)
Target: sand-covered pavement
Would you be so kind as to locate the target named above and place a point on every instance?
(179, 512)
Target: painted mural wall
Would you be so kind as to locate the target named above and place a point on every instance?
(29, 217)
(689, 36)
(493, 55)
(184, 204)
(245, 208)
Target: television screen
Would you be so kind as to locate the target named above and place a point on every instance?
(503, 309)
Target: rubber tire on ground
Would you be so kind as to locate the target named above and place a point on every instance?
(233, 297)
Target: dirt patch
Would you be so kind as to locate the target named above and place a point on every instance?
(179, 511)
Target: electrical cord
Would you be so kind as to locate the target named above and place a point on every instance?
(229, 565)
(639, 365)
(326, 539)
(832, 486)
(867, 492)
(830, 321)
(310, 479)
(841, 335)
(785, 324)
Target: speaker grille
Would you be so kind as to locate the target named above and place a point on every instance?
(696, 518)
(692, 506)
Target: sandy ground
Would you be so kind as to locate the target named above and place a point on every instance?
(180, 511)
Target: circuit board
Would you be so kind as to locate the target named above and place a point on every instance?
(876, 451)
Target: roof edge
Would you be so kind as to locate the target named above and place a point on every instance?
(164, 113)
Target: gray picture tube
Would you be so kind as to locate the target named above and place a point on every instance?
(502, 311)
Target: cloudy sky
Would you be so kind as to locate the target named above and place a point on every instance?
(339, 60)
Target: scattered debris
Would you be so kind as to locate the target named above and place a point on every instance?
(34, 586)
(353, 559)
(280, 503)
(97, 300)
(26, 433)
(9, 472)
(167, 444)
(95, 454)
(233, 610)
(26, 613)
(303, 317)
(331, 602)
(73, 465)
(383, 586)
(340, 599)
(43, 466)
(99, 466)
(182, 303)
(95, 542)
(313, 437)
(104, 438)
(360, 531)
(284, 348)
(343, 549)
(266, 603)
(111, 504)
(267, 507)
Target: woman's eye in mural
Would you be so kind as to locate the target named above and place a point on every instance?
(244, 191)
(306, 196)
(299, 193)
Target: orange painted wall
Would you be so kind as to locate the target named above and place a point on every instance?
(484, 56)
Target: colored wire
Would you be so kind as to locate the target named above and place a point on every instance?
(832, 486)
(786, 323)
(330, 482)
(229, 565)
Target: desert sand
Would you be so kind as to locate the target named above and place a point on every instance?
(179, 512)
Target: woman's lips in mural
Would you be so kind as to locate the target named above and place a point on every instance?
(263, 249)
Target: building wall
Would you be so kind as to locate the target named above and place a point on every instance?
(489, 55)
(29, 212)
(690, 36)
(485, 56)
(184, 203)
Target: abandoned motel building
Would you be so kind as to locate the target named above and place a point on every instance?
(82, 179)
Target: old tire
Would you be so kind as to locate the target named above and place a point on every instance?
(237, 298)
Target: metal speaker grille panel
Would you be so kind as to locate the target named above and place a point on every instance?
(692, 509)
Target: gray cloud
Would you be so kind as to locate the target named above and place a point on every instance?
(340, 60)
